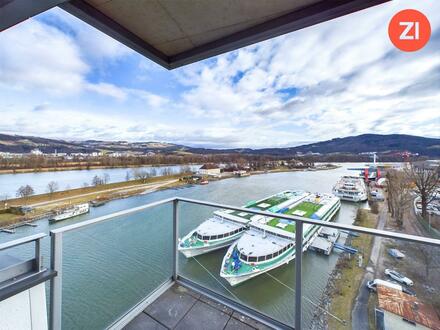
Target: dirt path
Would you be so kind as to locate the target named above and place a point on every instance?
(147, 186)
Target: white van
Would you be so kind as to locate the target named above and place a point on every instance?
(372, 285)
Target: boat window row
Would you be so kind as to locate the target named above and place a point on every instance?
(247, 258)
(212, 237)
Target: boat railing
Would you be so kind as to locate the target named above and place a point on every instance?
(56, 265)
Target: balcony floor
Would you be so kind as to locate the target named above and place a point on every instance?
(180, 308)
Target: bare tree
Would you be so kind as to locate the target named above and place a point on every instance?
(25, 191)
(127, 176)
(186, 169)
(97, 180)
(106, 178)
(52, 186)
(141, 174)
(167, 171)
(426, 180)
(399, 197)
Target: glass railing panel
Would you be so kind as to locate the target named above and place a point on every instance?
(111, 266)
(270, 293)
(348, 297)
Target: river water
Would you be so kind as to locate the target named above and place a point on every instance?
(109, 267)
(9, 183)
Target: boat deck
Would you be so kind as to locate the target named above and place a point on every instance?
(180, 308)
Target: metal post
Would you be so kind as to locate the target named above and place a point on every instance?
(38, 257)
(56, 263)
(175, 238)
(298, 272)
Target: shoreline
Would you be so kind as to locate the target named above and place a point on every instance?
(45, 205)
(83, 168)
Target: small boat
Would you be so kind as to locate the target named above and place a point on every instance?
(203, 182)
(270, 242)
(97, 203)
(351, 188)
(71, 212)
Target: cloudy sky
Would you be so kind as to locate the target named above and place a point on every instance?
(61, 78)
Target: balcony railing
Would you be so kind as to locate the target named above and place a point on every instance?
(176, 276)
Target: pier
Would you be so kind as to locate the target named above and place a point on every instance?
(11, 229)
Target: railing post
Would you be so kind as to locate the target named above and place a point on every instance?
(56, 263)
(38, 257)
(298, 273)
(175, 237)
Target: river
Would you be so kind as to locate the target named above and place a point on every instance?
(111, 266)
(9, 183)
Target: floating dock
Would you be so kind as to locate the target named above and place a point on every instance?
(11, 229)
(326, 240)
(322, 245)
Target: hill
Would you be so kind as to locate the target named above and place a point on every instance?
(382, 144)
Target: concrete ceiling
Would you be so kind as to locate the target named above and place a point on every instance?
(178, 32)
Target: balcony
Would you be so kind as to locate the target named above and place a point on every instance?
(124, 270)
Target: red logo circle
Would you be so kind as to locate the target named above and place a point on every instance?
(409, 30)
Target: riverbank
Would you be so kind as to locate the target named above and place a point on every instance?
(344, 281)
(82, 167)
(43, 205)
(47, 204)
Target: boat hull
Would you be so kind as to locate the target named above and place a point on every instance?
(192, 252)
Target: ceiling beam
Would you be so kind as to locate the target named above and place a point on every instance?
(13, 12)
(296, 20)
(95, 18)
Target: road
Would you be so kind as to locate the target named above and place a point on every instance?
(148, 186)
(359, 314)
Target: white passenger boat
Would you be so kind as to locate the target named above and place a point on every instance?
(351, 188)
(71, 212)
(270, 242)
(226, 226)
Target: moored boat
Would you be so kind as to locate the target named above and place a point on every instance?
(270, 242)
(351, 188)
(71, 212)
(226, 226)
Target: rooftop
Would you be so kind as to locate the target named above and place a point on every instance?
(408, 307)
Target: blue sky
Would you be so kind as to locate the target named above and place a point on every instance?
(61, 78)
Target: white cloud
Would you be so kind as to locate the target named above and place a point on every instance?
(36, 56)
(335, 79)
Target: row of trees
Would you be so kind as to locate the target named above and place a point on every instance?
(417, 177)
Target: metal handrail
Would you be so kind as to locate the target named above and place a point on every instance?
(22, 241)
(358, 229)
(57, 235)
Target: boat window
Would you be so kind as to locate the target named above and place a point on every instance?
(252, 259)
(220, 236)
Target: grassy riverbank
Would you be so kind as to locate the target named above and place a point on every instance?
(348, 275)
(45, 203)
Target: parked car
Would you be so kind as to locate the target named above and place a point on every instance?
(399, 277)
(372, 286)
(396, 253)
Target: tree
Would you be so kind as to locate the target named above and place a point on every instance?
(52, 186)
(97, 180)
(426, 180)
(127, 176)
(429, 259)
(25, 191)
(141, 174)
(106, 178)
(399, 197)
